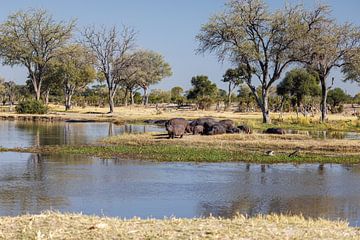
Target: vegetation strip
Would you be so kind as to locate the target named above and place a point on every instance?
(52, 225)
(223, 148)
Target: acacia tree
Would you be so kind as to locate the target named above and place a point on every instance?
(331, 45)
(73, 71)
(32, 38)
(264, 43)
(110, 47)
(234, 77)
(152, 70)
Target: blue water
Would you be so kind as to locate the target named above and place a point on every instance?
(31, 183)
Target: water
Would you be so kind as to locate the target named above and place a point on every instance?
(31, 183)
(27, 134)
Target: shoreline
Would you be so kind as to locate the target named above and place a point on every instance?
(219, 149)
(54, 225)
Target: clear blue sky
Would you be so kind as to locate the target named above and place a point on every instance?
(166, 26)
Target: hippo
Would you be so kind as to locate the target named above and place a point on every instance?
(199, 129)
(245, 129)
(233, 130)
(216, 129)
(228, 124)
(279, 131)
(176, 127)
(208, 127)
(202, 122)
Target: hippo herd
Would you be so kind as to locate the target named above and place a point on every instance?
(178, 127)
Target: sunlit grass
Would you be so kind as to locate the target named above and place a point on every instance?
(53, 225)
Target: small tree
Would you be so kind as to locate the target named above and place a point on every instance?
(204, 92)
(73, 71)
(246, 98)
(152, 70)
(177, 95)
(297, 84)
(234, 77)
(109, 48)
(337, 97)
(32, 38)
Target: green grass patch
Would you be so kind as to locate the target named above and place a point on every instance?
(178, 153)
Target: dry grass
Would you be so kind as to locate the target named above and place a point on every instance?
(136, 113)
(52, 225)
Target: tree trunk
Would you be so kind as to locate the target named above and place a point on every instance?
(132, 97)
(145, 97)
(47, 94)
(323, 105)
(126, 97)
(68, 97)
(229, 96)
(265, 107)
(111, 101)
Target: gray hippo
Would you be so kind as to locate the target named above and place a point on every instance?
(228, 124)
(216, 129)
(279, 131)
(201, 122)
(199, 129)
(176, 127)
(245, 129)
(233, 130)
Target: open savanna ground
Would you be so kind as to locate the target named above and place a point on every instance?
(75, 226)
(134, 114)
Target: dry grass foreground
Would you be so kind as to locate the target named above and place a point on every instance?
(52, 225)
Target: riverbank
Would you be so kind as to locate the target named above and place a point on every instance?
(255, 148)
(137, 114)
(53, 225)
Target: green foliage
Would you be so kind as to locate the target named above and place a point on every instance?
(177, 95)
(203, 92)
(337, 97)
(31, 106)
(159, 96)
(297, 84)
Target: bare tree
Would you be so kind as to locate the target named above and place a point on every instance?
(262, 42)
(110, 47)
(32, 38)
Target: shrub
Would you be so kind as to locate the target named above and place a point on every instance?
(31, 107)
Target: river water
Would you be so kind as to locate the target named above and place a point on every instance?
(28, 134)
(31, 183)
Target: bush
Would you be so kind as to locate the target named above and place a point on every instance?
(31, 107)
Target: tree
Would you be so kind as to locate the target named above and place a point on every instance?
(32, 38)
(153, 70)
(73, 70)
(159, 96)
(336, 98)
(263, 43)
(297, 84)
(204, 92)
(177, 95)
(234, 77)
(246, 98)
(109, 48)
(331, 45)
(11, 91)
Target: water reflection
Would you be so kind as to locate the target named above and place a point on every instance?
(25, 134)
(33, 183)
